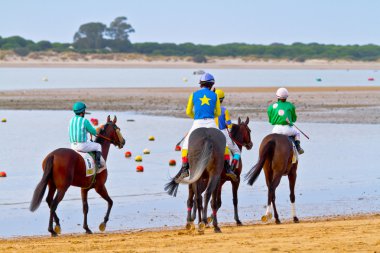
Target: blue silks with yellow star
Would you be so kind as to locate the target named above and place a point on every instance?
(205, 103)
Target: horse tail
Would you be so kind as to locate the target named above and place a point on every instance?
(267, 152)
(41, 187)
(200, 166)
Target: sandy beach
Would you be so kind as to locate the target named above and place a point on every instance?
(314, 104)
(339, 234)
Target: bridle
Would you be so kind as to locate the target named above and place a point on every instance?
(100, 135)
(239, 143)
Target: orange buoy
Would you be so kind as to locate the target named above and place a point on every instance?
(3, 174)
(139, 168)
(177, 148)
(128, 154)
(172, 163)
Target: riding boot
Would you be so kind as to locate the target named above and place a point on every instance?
(184, 172)
(230, 170)
(98, 156)
(298, 147)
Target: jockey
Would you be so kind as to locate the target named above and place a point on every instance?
(224, 124)
(282, 115)
(203, 105)
(78, 128)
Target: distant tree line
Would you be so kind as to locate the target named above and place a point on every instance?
(100, 38)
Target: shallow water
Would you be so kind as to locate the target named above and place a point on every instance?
(337, 175)
(33, 78)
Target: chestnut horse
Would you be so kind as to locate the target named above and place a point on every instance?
(275, 156)
(65, 167)
(241, 135)
(206, 157)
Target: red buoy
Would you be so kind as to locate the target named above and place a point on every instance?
(128, 154)
(371, 79)
(3, 174)
(139, 168)
(172, 162)
(177, 148)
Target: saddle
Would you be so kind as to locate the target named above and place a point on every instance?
(89, 160)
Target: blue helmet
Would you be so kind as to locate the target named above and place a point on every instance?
(79, 107)
(207, 78)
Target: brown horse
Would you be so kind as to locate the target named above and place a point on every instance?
(241, 135)
(65, 167)
(275, 156)
(206, 157)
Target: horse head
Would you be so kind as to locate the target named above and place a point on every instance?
(111, 132)
(241, 134)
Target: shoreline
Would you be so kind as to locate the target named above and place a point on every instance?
(180, 63)
(338, 233)
(314, 104)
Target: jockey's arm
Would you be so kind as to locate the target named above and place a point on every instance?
(228, 119)
(218, 111)
(89, 127)
(189, 108)
(294, 115)
(269, 112)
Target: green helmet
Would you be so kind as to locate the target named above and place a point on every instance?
(79, 107)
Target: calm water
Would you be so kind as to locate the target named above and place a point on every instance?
(34, 78)
(338, 174)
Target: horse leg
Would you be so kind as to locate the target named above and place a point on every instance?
(190, 208)
(292, 182)
(215, 208)
(49, 200)
(212, 188)
(272, 196)
(53, 207)
(235, 187)
(102, 191)
(84, 193)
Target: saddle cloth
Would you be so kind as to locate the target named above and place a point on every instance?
(90, 164)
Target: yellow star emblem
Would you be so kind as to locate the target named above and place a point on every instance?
(205, 100)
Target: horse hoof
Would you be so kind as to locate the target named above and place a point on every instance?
(201, 227)
(217, 230)
(278, 222)
(57, 229)
(296, 220)
(102, 227)
(238, 223)
(53, 234)
(190, 226)
(210, 220)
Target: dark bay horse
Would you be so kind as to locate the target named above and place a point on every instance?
(206, 158)
(65, 167)
(275, 156)
(241, 135)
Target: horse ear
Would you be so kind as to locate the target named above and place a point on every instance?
(239, 120)
(247, 121)
(108, 118)
(114, 119)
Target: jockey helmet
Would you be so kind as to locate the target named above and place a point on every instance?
(79, 107)
(282, 93)
(207, 80)
(220, 93)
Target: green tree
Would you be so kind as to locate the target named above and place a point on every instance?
(119, 29)
(90, 36)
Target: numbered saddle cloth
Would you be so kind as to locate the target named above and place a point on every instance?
(91, 165)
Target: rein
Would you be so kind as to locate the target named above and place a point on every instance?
(234, 139)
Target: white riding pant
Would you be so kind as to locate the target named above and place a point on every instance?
(86, 146)
(198, 123)
(286, 130)
(230, 143)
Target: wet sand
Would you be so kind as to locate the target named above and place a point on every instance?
(339, 234)
(314, 104)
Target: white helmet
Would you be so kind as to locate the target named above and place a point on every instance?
(282, 93)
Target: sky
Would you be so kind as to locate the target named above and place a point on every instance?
(210, 22)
